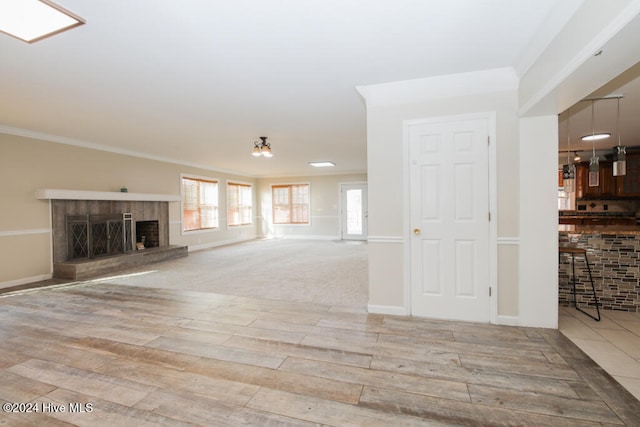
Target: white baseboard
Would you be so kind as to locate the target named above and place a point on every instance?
(388, 309)
(304, 237)
(25, 280)
(193, 248)
(508, 320)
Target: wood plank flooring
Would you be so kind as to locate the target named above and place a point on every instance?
(148, 357)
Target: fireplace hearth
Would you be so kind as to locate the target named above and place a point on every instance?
(94, 233)
(92, 229)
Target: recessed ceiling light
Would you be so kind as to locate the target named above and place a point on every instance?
(322, 164)
(33, 20)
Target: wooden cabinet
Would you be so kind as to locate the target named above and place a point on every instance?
(629, 184)
(609, 185)
(560, 179)
(606, 187)
(581, 180)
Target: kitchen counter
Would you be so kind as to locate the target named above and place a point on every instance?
(623, 230)
(613, 252)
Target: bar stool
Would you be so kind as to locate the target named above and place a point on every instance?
(583, 253)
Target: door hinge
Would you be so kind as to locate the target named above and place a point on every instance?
(489, 216)
(488, 140)
(489, 290)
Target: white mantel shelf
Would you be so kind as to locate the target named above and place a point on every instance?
(55, 194)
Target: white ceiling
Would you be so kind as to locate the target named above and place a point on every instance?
(197, 82)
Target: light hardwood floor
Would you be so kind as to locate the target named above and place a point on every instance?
(148, 356)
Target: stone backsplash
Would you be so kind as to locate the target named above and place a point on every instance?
(615, 265)
(608, 206)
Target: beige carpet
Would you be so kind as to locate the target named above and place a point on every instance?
(320, 271)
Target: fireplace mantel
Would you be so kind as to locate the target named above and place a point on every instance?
(56, 194)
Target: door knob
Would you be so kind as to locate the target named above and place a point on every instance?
(416, 231)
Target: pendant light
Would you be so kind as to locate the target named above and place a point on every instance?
(594, 164)
(620, 151)
(261, 148)
(568, 170)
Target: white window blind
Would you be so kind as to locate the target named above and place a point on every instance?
(290, 204)
(199, 204)
(240, 204)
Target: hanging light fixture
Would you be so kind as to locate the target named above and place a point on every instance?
(594, 165)
(261, 148)
(595, 136)
(568, 170)
(619, 151)
(576, 156)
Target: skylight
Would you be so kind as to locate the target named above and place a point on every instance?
(33, 20)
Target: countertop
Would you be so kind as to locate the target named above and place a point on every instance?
(633, 230)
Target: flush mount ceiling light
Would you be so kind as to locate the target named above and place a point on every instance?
(261, 148)
(322, 164)
(33, 20)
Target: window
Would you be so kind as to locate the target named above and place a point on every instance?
(290, 204)
(239, 204)
(199, 204)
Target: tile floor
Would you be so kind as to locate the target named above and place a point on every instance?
(613, 343)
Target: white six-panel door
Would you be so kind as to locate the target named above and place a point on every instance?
(449, 203)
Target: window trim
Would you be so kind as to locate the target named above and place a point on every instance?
(289, 184)
(250, 185)
(184, 232)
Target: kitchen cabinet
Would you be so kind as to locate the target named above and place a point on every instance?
(560, 179)
(606, 187)
(581, 180)
(629, 184)
(626, 186)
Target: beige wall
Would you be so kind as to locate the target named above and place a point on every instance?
(325, 205)
(538, 276)
(387, 191)
(29, 164)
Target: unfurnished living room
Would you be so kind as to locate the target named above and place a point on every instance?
(308, 213)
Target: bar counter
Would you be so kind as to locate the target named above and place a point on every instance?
(622, 230)
(613, 252)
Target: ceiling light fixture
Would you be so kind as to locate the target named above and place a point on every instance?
(324, 164)
(261, 148)
(33, 20)
(596, 136)
(576, 156)
(600, 135)
(594, 164)
(619, 151)
(568, 170)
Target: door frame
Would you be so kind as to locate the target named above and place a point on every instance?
(341, 207)
(490, 117)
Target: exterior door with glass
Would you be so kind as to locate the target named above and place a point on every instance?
(354, 211)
